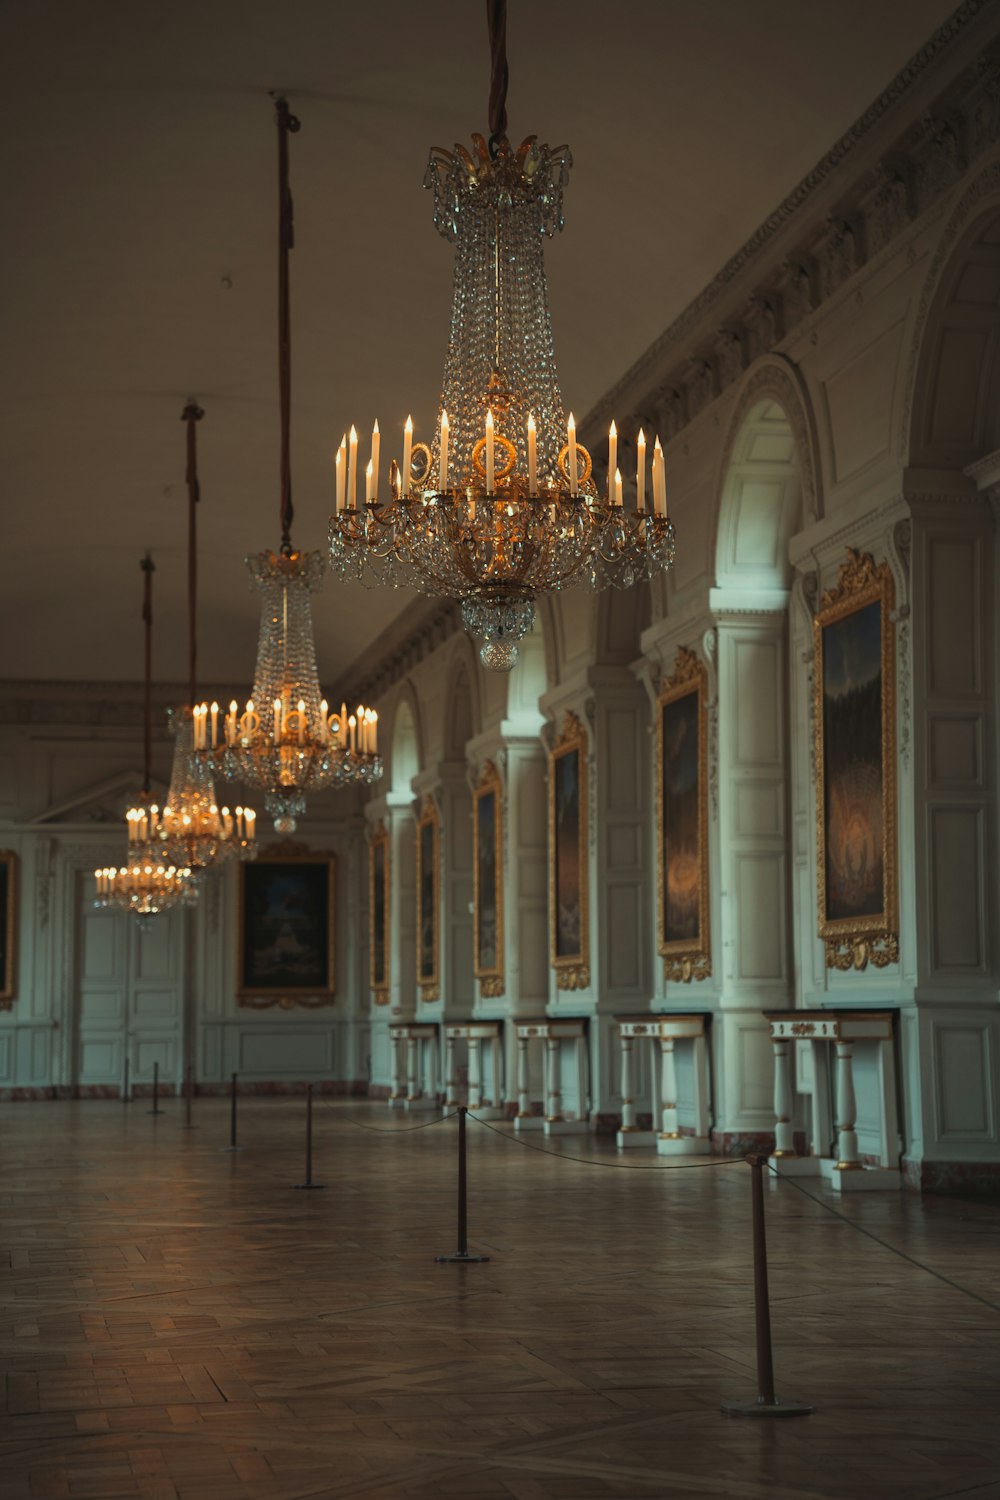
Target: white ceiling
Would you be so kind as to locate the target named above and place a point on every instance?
(138, 257)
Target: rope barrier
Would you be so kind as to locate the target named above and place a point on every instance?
(617, 1166)
(939, 1275)
(390, 1130)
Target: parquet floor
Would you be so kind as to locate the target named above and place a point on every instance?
(179, 1324)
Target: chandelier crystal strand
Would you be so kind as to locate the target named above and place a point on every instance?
(286, 740)
(147, 884)
(501, 504)
(193, 829)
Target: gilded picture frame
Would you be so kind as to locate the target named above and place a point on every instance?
(487, 879)
(8, 927)
(379, 914)
(286, 929)
(854, 685)
(683, 921)
(429, 901)
(569, 895)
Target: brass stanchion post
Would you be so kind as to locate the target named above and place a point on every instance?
(462, 1253)
(767, 1403)
(309, 1143)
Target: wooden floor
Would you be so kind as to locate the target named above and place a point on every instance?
(178, 1322)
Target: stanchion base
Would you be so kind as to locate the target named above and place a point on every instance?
(303, 1187)
(758, 1408)
(460, 1257)
(189, 1127)
(231, 1148)
(156, 1111)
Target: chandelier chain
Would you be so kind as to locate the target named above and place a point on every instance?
(496, 17)
(192, 414)
(149, 568)
(288, 124)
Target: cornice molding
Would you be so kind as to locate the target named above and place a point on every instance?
(707, 348)
(420, 630)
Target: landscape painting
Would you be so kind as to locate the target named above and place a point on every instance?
(855, 766)
(428, 915)
(378, 913)
(568, 925)
(682, 822)
(487, 881)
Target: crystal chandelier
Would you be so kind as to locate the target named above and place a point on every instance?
(193, 830)
(287, 741)
(502, 505)
(147, 884)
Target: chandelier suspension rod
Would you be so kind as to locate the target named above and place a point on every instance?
(288, 124)
(496, 19)
(192, 414)
(149, 568)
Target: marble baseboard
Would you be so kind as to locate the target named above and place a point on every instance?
(954, 1179)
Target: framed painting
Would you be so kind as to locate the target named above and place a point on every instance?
(487, 877)
(428, 900)
(855, 715)
(683, 926)
(569, 943)
(285, 953)
(379, 875)
(8, 928)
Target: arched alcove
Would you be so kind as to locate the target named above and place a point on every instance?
(954, 414)
(462, 715)
(404, 757)
(529, 680)
(760, 503)
(767, 488)
(766, 492)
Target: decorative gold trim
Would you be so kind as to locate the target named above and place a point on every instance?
(584, 473)
(429, 817)
(287, 1002)
(572, 969)
(491, 980)
(380, 840)
(853, 942)
(418, 450)
(502, 470)
(288, 851)
(879, 948)
(683, 959)
(573, 977)
(8, 917)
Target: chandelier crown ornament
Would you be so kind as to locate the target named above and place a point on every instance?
(502, 504)
(148, 883)
(286, 741)
(193, 829)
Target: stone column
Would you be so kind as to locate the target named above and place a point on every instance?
(553, 1092)
(847, 1110)
(669, 1130)
(784, 1143)
(475, 1073)
(628, 1125)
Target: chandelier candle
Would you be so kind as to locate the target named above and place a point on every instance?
(515, 512)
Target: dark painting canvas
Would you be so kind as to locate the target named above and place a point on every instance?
(681, 855)
(852, 747)
(428, 889)
(568, 895)
(487, 935)
(286, 932)
(379, 974)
